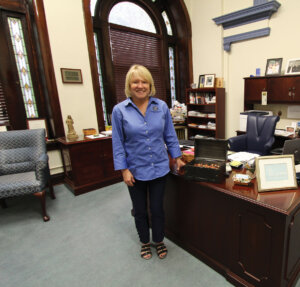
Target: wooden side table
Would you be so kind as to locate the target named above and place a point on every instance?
(88, 164)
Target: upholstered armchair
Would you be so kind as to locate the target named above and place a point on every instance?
(259, 136)
(24, 166)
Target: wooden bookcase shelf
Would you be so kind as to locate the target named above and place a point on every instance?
(205, 102)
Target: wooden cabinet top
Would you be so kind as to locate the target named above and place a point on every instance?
(272, 77)
(80, 139)
(281, 201)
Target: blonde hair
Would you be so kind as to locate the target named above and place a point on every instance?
(143, 72)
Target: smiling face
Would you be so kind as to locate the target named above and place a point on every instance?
(139, 88)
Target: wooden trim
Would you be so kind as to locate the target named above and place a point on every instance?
(57, 178)
(93, 63)
(55, 119)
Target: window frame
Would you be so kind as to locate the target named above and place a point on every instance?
(181, 41)
(41, 66)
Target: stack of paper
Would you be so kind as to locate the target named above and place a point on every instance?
(242, 156)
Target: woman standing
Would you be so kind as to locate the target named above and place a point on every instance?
(142, 128)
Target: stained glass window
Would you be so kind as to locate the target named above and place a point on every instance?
(100, 79)
(17, 38)
(172, 75)
(167, 22)
(131, 15)
(92, 6)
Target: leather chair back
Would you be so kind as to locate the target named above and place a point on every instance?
(260, 133)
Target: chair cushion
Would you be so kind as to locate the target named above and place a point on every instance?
(19, 184)
(17, 160)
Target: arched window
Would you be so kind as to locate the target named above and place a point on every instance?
(142, 32)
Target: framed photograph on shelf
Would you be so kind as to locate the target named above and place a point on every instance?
(37, 124)
(71, 76)
(292, 66)
(201, 81)
(275, 172)
(209, 81)
(273, 67)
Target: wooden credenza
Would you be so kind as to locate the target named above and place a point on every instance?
(88, 164)
(251, 238)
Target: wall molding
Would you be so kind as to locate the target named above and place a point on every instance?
(252, 14)
(227, 41)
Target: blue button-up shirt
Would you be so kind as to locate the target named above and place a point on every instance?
(139, 142)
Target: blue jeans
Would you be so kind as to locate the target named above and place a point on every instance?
(138, 194)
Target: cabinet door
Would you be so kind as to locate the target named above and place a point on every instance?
(280, 90)
(294, 89)
(253, 89)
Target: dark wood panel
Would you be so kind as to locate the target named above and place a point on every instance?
(253, 88)
(251, 238)
(88, 164)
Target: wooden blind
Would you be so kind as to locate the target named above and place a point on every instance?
(4, 119)
(130, 47)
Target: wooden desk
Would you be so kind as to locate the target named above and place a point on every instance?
(88, 164)
(251, 238)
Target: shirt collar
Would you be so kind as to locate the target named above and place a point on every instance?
(152, 100)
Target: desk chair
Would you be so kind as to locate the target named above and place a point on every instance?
(259, 136)
(292, 147)
(24, 166)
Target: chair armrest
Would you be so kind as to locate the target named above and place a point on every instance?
(42, 168)
(238, 143)
(268, 145)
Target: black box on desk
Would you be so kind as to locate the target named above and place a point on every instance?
(210, 161)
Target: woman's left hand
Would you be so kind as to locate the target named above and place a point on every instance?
(180, 163)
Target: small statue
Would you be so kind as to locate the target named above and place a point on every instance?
(71, 132)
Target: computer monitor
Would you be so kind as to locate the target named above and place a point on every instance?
(292, 147)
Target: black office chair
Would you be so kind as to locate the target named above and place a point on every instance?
(259, 136)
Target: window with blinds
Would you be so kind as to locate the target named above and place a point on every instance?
(4, 119)
(132, 47)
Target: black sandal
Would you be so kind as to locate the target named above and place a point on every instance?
(145, 251)
(161, 250)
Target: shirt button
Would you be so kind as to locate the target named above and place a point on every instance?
(152, 164)
(150, 155)
(148, 140)
(149, 148)
(145, 123)
(146, 132)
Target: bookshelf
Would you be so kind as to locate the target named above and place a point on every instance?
(206, 112)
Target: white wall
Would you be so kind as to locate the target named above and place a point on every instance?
(244, 57)
(65, 21)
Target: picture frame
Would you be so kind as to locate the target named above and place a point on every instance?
(293, 66)
(39, 123)
(201, 81)
(290, 129)
(209, 81)
(273, 67)
(275, 172)
(71, 76)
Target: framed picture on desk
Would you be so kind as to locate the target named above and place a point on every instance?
(275, 173)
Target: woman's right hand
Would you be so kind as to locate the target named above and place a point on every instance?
(128, 177)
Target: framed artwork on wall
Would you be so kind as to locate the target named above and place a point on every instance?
(71, 76)
(273, 67)
(293, 66)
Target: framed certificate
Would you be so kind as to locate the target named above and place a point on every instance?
(37, 124)
(275, 172)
